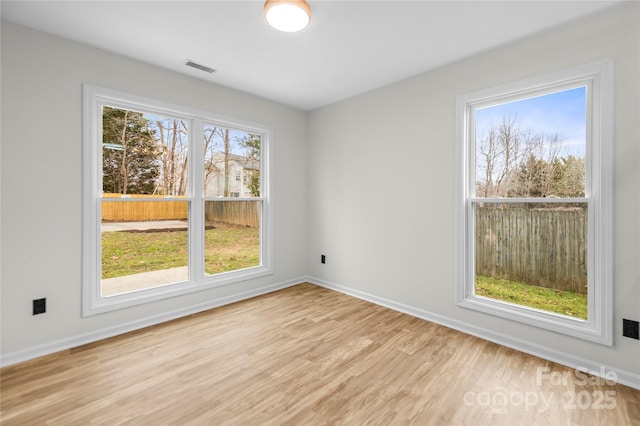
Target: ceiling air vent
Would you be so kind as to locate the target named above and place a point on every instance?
(199, 67)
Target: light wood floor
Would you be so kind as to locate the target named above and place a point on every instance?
(305, 356)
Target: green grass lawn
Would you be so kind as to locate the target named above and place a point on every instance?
(227, 248)
(562, 302)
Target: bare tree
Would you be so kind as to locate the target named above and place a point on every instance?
(218, 142)
(500, 152)
(209, 149)
(512, 162)
(172, 137)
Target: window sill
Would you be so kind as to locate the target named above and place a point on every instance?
(95, 304)
(575, 327)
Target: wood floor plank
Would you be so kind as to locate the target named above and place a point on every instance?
(304, 356)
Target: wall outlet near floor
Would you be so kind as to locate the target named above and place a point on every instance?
(39, 306)
(630, 329)
(323, 258)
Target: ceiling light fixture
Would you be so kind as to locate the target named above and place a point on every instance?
(288, 16)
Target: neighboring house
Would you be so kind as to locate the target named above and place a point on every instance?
(241, 170)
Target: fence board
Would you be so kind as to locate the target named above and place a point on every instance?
(541, 246)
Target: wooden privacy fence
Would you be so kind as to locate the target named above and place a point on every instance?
(545, 247)
(243, 212)
(141, 211)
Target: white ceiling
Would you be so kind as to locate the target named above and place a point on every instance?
(349, 48)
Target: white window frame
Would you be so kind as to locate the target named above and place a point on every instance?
(598, 78)
(92, 301)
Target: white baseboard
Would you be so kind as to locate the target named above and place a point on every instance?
(94, 336)
(624, 377)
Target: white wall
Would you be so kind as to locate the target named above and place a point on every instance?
(41, 183)
(381, 182)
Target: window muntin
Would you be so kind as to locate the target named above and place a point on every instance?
(588, 164)
(146, 160)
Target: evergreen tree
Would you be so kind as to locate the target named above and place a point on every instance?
(251, 143)
(129, 155)
(563, 177)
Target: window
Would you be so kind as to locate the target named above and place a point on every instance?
(163, 214)
(534, 163)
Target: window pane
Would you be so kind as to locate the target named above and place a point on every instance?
(533, 147)
(533, 254)
(231, 163)
(232, 235)
(144, 245)
(143, 153)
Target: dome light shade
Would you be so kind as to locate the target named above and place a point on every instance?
(287, 15)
